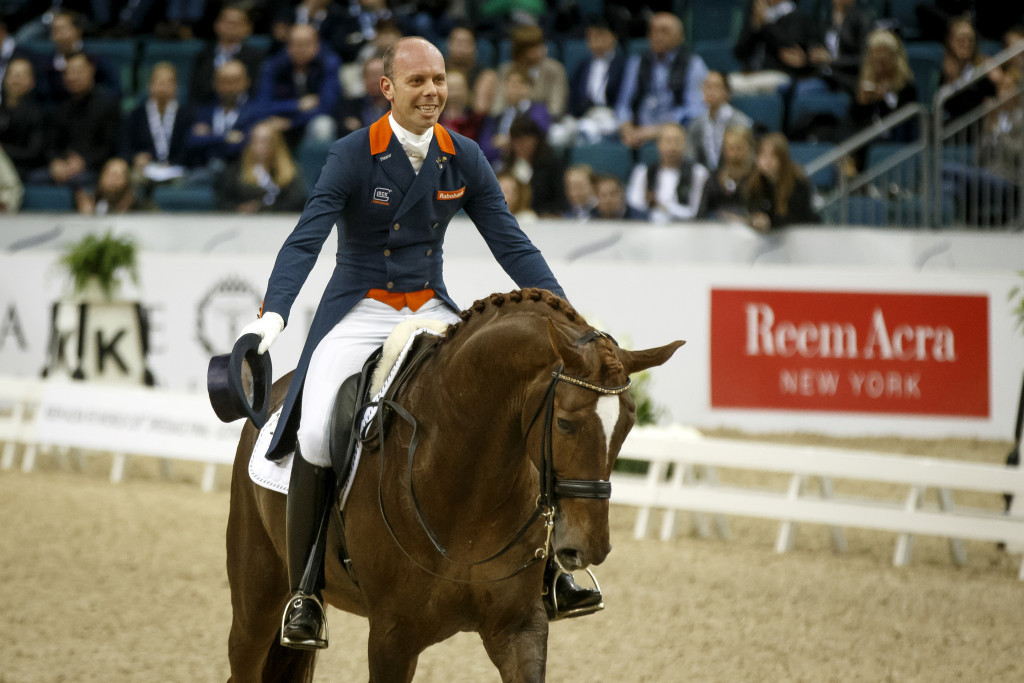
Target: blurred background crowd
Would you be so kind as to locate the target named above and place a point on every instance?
(664, 111)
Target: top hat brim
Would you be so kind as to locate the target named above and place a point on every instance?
(239, 382)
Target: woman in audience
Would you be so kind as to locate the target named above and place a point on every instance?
(580, 195)
(266, 178)
(458, 113)
(886, 84)
(549, 82)
(482, 80)
(959, 65)
(156, 132)
(22, 135)
(777, 193)
(115, 192)
(722, 198)
(531, 160)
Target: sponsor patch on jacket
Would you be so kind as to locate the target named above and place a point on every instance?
(382, 195)
(443, 195)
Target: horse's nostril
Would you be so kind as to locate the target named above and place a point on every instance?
(570, 559)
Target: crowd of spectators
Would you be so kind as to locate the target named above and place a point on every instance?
(270, 79)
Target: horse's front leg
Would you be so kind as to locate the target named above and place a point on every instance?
(519, 650)
(392, 651)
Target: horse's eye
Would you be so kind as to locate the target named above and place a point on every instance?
(566, 426)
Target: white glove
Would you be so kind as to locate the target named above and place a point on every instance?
(267, 327)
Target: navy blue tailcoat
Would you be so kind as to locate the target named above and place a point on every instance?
(391, 225)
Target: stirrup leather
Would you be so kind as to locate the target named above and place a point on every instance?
(550, 593)
(297, 601)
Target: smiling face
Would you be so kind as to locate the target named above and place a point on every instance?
(417, 87)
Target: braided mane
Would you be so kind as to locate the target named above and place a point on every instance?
(610, 363)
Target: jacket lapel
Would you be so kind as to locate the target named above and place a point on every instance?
(439, 155)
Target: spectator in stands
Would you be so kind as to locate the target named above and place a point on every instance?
(156, 131)
(33, 18)
(1013, 36)
(531, 160)
(299, 88)
(516, 91)
(9, 50)
(220, 128)
(611, 201)
(517, 197)
(596, 82)
(580, 195)
(935, 16)
(774, 46)
(462, 56)
(777, 193)
(323, 15)
(844, 41)
(351, 31)
(886, 83)
(354, 113)
(549, 83)
(1002, 153)
(670, 188)
(181, 18)
(115, 192)
(265, 179)
(429, 19)
(660, 86)
(66, 32)
(959, 63)
(22, 137)
(705, 132)
(458, 114)
(84, 128)
(231, 28)
(723, 199)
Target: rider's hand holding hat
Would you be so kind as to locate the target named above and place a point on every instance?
(266, 327)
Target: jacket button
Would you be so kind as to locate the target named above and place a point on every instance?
(391, 285)
(426, 284)
(397, 226)
(435, 225)
(387, 252)
(429, 252)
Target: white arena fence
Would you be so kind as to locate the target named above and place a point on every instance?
(682, 476)
(682, 467)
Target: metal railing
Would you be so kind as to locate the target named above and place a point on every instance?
(965, 173)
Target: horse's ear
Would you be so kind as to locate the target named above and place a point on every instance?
(564, 347)
(635, 361)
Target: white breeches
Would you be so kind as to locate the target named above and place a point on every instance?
(341, 354)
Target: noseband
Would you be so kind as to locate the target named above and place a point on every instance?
(552, 487)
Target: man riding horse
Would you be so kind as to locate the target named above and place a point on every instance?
(392, 189)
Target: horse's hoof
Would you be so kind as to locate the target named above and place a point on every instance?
(569, 599)
(304, 624)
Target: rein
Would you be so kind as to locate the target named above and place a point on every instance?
(551, 486)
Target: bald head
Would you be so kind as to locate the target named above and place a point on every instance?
(407, 51)
(665, 32)
(303, 44)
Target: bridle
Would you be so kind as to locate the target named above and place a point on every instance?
(552, 487)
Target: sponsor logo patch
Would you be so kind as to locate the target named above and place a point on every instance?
(445, 195)
(382, 196)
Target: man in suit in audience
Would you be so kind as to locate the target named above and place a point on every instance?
(84, 127)
(660, 86)
(354, 113)
(611, 201)
(300, 85)
(231, 28)
(596, 82)
(221, 127)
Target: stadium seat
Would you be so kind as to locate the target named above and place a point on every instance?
(805, 107)
(806, 152)
(184, 198)
(648, 154)
(718, 55)
(48, 198)
(311, 156)
(574, 53)
(765, 110)
(637, 46)
(904, 13)
(612, 157)
(713, 20)
(120, 55)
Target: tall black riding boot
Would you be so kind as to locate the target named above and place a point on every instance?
(310, 493)
(563, 597)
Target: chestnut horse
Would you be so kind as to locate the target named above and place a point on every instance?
(510, 432)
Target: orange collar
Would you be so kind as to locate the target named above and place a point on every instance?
(380, 136)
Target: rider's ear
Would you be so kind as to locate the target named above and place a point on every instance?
(564, 347)
(635, 361)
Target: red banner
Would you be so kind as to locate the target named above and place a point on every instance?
(850, 352)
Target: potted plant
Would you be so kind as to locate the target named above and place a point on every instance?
(97, 265)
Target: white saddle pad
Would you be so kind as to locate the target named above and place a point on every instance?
(275, 474)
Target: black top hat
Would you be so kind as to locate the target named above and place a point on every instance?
(239, 383)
